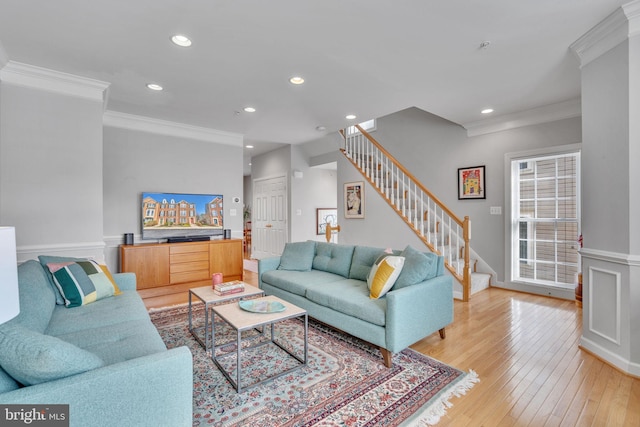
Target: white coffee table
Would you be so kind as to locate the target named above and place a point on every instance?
(241, 320)
(210, 298)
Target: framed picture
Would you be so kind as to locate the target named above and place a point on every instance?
(471, 183)
(354, 199)
(325, 216)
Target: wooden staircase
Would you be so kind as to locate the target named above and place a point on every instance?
(440, 229)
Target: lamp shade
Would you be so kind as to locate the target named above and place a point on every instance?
(9, 296)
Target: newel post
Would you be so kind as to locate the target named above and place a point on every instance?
(466, 288)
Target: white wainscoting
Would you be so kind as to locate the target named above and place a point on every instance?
(605, 288)
(609, 303)
(90, 250)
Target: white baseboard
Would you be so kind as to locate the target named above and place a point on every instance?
(549, 291)
(610, 357)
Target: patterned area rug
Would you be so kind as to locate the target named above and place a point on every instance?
(345, 382)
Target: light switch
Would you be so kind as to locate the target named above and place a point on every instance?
(298, 212)
(233, 212)
(495, 210)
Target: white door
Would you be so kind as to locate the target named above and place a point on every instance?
(269, 217)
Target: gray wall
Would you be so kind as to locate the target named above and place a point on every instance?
(316, 188)
(136, 161)
(51, 171)
(433, 149)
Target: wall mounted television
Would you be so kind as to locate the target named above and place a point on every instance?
(181, 216)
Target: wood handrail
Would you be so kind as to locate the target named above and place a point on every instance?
(410, 175)
(465, 224)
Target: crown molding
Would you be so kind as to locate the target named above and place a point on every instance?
(40, 78)
(623, 23)
(548, 113)
(163, 127)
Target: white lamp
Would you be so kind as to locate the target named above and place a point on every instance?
(9, 296)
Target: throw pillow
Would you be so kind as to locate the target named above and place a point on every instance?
(383, 275)
(363, 259)
(46, 259)
(32, 358)
(81, 282)
(7, 383)
(298, 256)
(106, 271)
(418, 267)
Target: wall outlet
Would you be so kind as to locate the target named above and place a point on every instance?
(298, 212)
(495, 210)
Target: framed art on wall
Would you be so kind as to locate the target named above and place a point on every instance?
(354, 199)
(325, 216)
(471, 183)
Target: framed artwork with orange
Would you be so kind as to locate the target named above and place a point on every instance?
(471, 183)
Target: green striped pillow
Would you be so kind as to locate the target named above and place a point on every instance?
(81, 282)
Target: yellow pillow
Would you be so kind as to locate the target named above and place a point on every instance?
(383, 275)
(106, 271)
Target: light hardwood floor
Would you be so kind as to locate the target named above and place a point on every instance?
(532, 373)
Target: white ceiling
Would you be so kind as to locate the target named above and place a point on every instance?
(364, 57)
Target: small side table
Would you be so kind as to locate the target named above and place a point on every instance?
(241, 320)
(209, 298)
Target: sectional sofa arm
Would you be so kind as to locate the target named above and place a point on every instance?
(267, 264)
(147, 391)
(416, 311)
(125, 281)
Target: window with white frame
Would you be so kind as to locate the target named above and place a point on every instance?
(545, 219)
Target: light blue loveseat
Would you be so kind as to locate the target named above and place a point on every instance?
(105, 359)
(330, 282)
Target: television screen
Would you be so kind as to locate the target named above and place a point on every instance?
(176, 215)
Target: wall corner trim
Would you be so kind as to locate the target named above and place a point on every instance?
(31, 76)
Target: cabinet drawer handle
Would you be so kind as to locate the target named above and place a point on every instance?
(268, 226)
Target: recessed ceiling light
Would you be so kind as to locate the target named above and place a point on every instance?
(350, 117)
(181, 40)
(487, 111)
(296, 80)
(154, 86)
(249, 109)
(248, 146)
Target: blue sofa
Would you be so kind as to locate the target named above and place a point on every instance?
(330, 282)
(105, 359)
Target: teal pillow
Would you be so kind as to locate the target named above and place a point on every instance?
(418, 267)
(7, 383)
(298, 256)
(33, 358)
(46, 259)
(37, 299)
(333, 258)
(364, 257)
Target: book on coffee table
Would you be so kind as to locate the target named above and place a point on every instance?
(227, 288)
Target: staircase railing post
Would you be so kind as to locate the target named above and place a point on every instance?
(466, 232)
